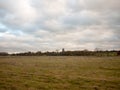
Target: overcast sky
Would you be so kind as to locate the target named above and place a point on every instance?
(47, 25)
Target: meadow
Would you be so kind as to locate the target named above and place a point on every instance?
(59, 73)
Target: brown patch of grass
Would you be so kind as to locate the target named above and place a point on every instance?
(59, 73)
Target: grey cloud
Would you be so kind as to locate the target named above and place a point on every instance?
(103, 5)
(49, 25)
(3, 30)
(81, 19)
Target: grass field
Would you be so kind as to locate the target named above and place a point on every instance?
(59, 73)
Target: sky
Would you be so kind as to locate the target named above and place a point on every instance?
(49, 25)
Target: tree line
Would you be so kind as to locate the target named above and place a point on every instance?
(65, 53)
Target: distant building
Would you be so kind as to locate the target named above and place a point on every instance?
(63, 50)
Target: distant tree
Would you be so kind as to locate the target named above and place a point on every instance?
(118, 53)
(38, 53)
(4, 54)
(97, 49)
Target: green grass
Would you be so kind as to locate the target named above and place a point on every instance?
(59, 73)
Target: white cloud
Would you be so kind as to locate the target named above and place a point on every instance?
(54, 24)
(18, 12)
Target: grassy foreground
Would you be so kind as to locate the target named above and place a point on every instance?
(59, 73)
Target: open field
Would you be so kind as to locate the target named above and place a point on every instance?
(59, 73)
